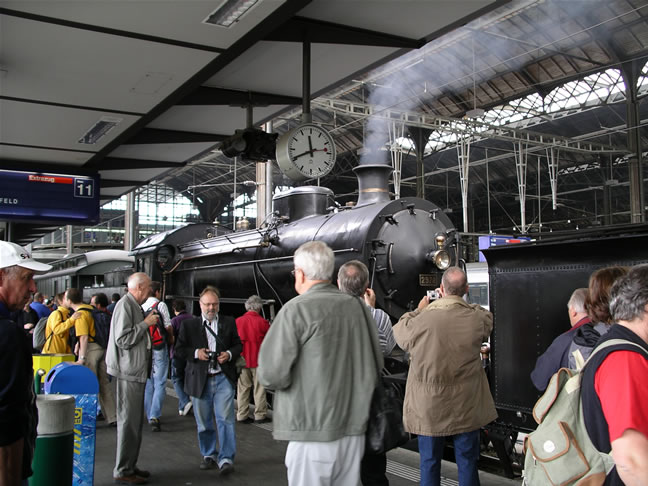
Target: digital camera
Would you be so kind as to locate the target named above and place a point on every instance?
(433, 294)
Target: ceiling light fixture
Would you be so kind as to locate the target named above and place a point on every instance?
(230, 12)
(99, 129)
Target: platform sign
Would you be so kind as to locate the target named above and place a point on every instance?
(487, 241)
(49, 197)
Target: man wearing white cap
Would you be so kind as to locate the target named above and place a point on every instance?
(18, 414)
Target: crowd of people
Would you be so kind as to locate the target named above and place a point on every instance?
(328, 338)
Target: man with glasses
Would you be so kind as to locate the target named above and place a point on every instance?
(322, 357)
(210, 345)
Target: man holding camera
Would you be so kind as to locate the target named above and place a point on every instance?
(210, 345)
(447, 392)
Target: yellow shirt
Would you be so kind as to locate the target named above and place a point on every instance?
(57, 332)
(84, 326)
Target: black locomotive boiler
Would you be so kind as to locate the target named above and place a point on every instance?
(406, 244)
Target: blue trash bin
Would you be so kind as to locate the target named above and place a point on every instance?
(81, 383)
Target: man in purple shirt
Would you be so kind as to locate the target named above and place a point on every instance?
(177, 363)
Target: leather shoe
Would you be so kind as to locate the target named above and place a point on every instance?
(226, 469)
(132, 479)
(142, 473)
(264, 420)
(207, 463)
(248, 420)
(155, 425)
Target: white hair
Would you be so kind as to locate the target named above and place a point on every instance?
(136, 279)
(577, 300)
(254, 303)
(316, 260)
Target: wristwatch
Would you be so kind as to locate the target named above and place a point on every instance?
(81, 358)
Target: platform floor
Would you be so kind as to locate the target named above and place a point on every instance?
(173, 458)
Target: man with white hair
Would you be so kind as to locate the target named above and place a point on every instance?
(252, 328)
(557, 354)
(18, 414)
(322, 358)
(128, 359)
(613, 388)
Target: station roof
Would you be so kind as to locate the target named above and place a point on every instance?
(169, 87)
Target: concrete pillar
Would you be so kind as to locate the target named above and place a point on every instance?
(130, 236)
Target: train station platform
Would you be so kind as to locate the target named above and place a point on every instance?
(173, 458)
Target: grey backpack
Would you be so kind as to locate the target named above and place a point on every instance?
(560, 450)
(38, 337)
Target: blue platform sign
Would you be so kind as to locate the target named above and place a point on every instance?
(49, 197)
(487, 241)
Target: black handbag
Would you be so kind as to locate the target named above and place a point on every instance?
(385, 430)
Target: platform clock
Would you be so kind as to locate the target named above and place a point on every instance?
(306, 152)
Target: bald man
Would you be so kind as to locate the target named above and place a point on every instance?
(447, 393)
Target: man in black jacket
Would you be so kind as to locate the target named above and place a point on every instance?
(210, 345)
(18, 414)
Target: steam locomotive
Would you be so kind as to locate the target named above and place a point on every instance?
(406, 244)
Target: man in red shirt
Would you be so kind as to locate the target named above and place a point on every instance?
(614, 390)
(252, 328)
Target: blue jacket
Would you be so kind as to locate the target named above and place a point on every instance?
(555, 357)
(18, 413)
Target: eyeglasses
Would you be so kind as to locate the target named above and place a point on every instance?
(209, 304)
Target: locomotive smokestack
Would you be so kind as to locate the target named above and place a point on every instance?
(373, 183)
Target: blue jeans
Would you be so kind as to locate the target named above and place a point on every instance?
(217, 400)
(156, 385)
(177, 377)
(466, 448)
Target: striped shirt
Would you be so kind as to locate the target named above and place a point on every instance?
(385, 332)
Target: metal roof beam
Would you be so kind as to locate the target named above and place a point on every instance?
(464, 127)
(204, 96)
(157, 135)
(317, 31)
(114, 163)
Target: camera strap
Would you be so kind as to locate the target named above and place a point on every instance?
(211, 331)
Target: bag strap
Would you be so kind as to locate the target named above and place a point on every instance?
(214, 334)
(614, 342)
(52, 333)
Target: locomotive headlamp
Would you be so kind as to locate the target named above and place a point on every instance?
(440, 241)
(441, 259)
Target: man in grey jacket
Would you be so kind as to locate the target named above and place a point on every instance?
(322, 357)
(128, 359)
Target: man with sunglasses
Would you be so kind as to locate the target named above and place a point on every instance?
(210, 345)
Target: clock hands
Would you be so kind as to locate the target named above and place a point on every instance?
(310, 152)
(310, 145)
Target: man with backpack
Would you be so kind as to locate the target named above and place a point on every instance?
(614, 391)
(96, 353)
(161, 335)
(56, 335)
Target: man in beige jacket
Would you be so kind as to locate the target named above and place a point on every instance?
(447, 391)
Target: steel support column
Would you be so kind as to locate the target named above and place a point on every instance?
(463, 157)
(420, 136)
(631, 71)
(521, 172)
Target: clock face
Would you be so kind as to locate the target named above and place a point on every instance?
(306, 152)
